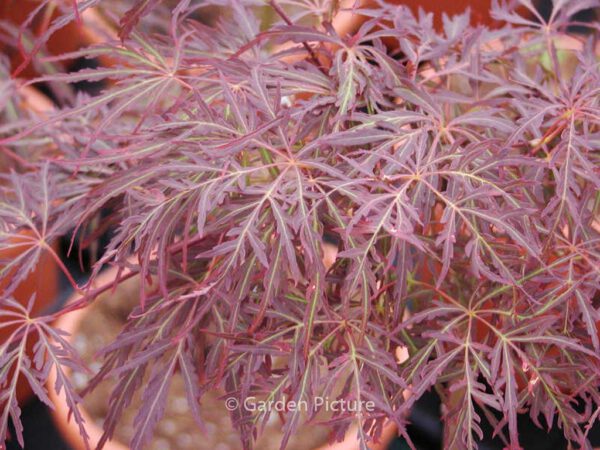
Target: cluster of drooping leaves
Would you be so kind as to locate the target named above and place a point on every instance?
(457, 171)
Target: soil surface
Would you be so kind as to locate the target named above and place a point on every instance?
(177, 430)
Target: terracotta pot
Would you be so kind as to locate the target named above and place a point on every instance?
(480, 9)
(351, 443)
(66, 426)
(90, 29)
(43, 280)
(60, 415)
(346, 22)
(71, 323)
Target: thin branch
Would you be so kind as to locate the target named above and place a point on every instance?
(286, 19)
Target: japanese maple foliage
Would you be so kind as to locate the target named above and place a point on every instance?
(458, 169)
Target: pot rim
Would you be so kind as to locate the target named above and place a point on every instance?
(70, 323)
(69, 430)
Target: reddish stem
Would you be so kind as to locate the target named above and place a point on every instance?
(308, 48)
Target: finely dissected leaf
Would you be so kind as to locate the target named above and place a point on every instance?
(347, 71)
(153, 402)
(509, 404)
(50, 352)
(590, 316)
(133, 15)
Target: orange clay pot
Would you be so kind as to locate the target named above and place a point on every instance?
(347, 22)
(69, 430)
(90, 29)
(43, 282)
(351, 443)
(480, 9)
(60, 415)
(70, 323)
